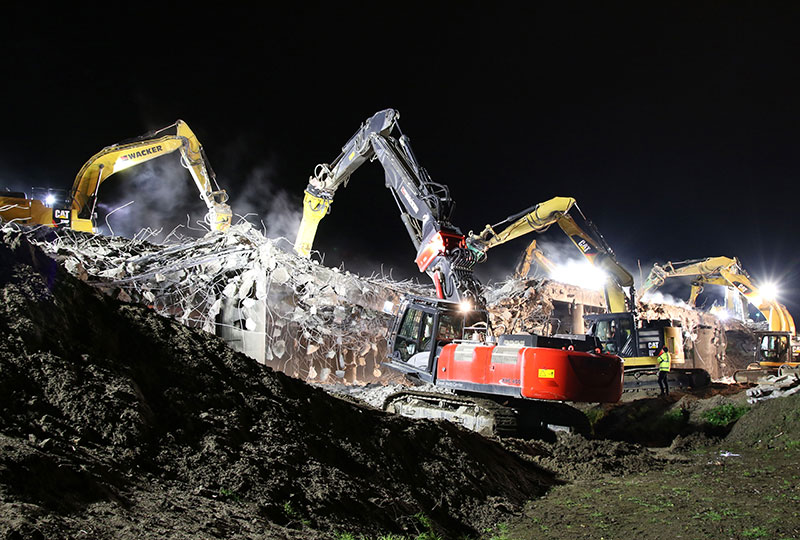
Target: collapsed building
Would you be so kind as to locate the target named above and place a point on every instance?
(326, 324)
(549, 307)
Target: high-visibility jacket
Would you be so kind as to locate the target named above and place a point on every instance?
(663, 360)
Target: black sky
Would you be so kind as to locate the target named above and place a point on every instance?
(675, 127)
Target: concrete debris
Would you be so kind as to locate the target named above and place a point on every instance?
(288, 312)
(543, 306)
(312, 322)
(774, 387)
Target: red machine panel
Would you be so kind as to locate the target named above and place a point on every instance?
(571, 376)
(535, 372)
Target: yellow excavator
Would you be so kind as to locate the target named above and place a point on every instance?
(778, 350)
(533, 253)
(620, 330)
(76, 210)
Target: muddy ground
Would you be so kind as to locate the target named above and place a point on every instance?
(745, 484)
(118, 423)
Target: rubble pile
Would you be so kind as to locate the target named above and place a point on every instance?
(543, 306)
(518, 306)
(117, 422)
(719, 346)
(325, 324)
(774, 387)
(288, 312)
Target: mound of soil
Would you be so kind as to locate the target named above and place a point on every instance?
(772, 423)
(678, 421)
(118, 423)
(575, 457)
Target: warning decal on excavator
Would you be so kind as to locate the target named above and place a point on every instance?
(547, 374)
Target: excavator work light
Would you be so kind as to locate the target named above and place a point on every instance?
(769, 291)
(465, 306)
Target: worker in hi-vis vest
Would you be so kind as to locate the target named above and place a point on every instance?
(663, 360)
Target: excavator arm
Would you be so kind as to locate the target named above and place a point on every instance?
(727, 272)
(443, 251)
(599, 253)
(532, 252)
(592, 246)
(425, 206)
(118, 157)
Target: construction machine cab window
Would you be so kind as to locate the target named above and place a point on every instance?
(421, 328)
(613, 334)
(426, 332)
(773, 348)
(408, 336)
(449, 328)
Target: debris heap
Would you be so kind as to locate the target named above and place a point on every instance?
(288, 312)
(325, 324)
(542, 306)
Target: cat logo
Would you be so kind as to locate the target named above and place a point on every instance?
(61, 214)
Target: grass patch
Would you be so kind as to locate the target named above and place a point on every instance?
(594, 415)
(755, 532)
(725, 415)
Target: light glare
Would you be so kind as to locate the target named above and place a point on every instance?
(581, 274)
(769, 291)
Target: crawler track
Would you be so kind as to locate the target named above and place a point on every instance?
(509, 418)
(477, 414)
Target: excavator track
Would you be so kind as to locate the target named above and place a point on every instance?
(512, 418)
(477, 414)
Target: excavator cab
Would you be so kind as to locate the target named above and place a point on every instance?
(774, 355)
(424, 325)
(774, 349)
(615, 331)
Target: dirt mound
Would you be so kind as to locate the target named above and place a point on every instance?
(118, 423)
(671, 421)
(574, 457)
(773, 423)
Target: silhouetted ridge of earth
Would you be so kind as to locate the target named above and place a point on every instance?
(118, 423)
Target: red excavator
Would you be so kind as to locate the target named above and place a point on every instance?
(497, 384)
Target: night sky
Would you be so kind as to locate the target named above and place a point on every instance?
(675, 127)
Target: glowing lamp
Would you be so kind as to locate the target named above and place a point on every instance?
(49, 199)
(769, 291)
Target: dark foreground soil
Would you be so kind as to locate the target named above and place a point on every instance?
(117, 423)
(744, 485)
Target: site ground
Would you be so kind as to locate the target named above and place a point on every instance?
(699, 495)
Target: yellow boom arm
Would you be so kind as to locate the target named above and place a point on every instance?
(118, 157)
(727, 272)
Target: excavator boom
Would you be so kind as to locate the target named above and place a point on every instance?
(727, 272)
(118, 157)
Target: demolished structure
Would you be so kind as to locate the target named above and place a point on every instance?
(326, 324)
(290, 313)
